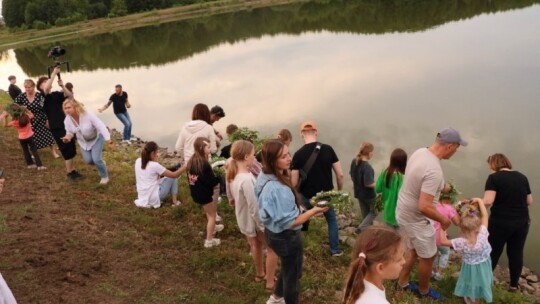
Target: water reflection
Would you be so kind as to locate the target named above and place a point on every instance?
(165, 43)
(479, 75)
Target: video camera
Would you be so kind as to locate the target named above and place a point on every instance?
(55, 53)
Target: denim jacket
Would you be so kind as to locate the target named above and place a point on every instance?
(277, 206)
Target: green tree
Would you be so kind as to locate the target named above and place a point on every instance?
(13, 12)
(118, 8)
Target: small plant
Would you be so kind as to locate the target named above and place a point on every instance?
(340, 200)
(378, 204)
(218, 166)
(451, 195)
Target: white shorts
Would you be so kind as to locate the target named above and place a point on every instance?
(420, 237)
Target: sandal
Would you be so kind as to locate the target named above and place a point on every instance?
(260, 278)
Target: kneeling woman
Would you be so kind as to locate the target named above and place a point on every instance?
(91, 135)
(279, 210)
(154, 182)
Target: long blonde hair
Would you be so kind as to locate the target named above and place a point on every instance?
(239, 150)
(77, 106)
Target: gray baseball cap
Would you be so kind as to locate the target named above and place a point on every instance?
(451, 136)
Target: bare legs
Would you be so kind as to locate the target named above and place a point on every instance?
(424, 270)
(210, 211)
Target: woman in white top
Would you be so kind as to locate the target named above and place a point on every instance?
(199, 126)
(154, 182)
(242, 184)
(91, 135)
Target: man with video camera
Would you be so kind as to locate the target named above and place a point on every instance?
(55, 118)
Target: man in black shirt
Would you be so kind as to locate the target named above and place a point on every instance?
(319, 177)
(14, 90)
(120, 104)
(55, 119)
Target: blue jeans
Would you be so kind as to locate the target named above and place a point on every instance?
(290, 250)
(93, 157)
(126, 121)
(168, 185)
(331, 220)
(441, 261)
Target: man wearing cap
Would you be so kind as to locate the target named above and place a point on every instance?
(318, 177)
(120, 104)
(422, 186)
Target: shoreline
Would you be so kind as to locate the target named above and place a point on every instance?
(109, 25)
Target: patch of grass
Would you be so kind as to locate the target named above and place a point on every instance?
(110, 289)
(3, 224)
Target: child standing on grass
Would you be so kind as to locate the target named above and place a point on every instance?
(476, 277)
(389, 183)
(202, 181)
(441, 261)
(377, 256)
(363, 178)
(21, 121)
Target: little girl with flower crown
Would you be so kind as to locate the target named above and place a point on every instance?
(476, 277)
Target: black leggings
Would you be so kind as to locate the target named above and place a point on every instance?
(513, 233)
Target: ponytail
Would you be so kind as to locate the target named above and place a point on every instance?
(365, 149)
(146, 152)
(354, 286)
(232, 170)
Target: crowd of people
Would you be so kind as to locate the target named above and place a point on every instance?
(270, 191)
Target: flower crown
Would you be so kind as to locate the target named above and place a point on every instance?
(467, 207)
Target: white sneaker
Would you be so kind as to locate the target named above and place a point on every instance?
(127, 142)
(218, 218)
(211, 243)
(274, 300)
(177, 203)
(104, 181)
(219, 227)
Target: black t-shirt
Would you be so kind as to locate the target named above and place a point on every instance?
(53, 109)
(511, 189)
(14, 91)
(319, 177)
(119, 102)
(361, 176)
(202, 186)
(226, 151)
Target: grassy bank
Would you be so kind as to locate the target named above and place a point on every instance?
(106, 25)
(69, 242)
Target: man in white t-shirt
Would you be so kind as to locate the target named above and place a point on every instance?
(416, 203)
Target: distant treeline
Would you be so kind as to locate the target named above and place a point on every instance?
(161, 44)
(41, 14)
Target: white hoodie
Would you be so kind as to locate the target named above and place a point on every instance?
(189, 133)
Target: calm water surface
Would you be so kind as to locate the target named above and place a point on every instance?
(393, 76)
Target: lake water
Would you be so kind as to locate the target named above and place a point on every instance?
(392, 74)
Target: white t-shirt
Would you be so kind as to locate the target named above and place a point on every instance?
(148, 184)
(423, 174)
(372, 295)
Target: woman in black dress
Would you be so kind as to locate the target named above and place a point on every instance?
(509, 195)
(34, 101)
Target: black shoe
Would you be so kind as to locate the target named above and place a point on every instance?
(71, 176)
(76, 174)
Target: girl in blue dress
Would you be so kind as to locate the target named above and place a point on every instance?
(476, 277)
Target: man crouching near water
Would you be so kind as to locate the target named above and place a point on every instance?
(420, 192)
